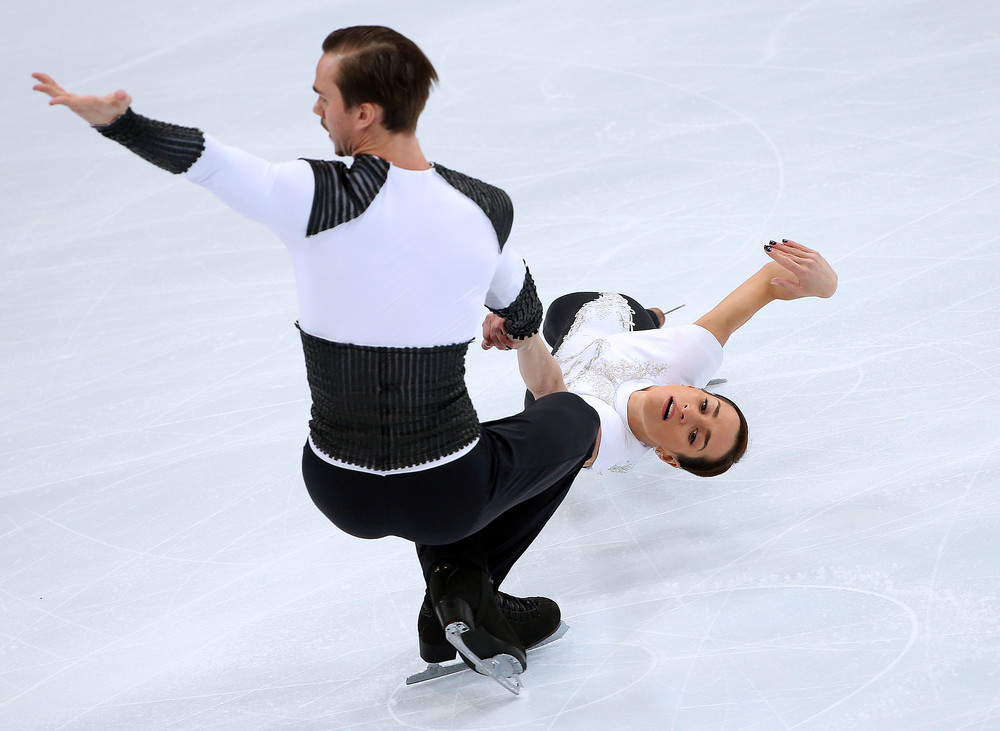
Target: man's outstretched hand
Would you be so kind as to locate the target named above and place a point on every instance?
(95, 109)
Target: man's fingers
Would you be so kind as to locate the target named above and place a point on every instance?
(48, 85)
(119, 97)
(499, 343)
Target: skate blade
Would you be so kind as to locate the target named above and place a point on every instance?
(559, 631)
(437, 670)
(503, 668)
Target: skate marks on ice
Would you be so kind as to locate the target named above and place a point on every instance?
(746, 647)
(559, 681)
(710, 653)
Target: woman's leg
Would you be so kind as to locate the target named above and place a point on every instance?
(562, 312)
(643, 318)
(560, 315)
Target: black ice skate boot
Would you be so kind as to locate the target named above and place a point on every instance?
(462, 597)
(535, 618)
(434, 647)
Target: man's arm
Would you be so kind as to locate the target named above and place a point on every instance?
(278, 195)
(796, 271)
(168, 146)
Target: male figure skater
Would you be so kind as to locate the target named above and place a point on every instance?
(395, 446)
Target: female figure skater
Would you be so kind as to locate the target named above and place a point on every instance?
(645, 381)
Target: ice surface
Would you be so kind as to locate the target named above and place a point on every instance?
(161, 565)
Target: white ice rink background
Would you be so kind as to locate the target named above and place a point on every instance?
(161, 565)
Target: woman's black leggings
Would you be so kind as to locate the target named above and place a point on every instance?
(560, 315)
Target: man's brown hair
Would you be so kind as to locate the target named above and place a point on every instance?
(381, 66)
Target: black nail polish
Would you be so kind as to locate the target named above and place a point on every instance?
(784, 241)
(767, 247)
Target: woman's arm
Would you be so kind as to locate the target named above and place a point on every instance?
(539, 370)
(796, 271)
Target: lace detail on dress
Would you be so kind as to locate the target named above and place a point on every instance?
(587, 369)
(607, 306)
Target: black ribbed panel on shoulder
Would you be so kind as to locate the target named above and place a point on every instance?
(168, 146)
(496, 204)
(388, 408)
(523, 316)
(344, 193)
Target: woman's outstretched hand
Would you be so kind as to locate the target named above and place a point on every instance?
(811, 274)
(95, 109)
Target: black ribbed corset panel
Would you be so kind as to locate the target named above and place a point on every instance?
(388, 408)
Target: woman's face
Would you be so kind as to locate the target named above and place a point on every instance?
(688, 422)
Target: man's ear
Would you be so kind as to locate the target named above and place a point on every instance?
(368, 113)
(667, 457)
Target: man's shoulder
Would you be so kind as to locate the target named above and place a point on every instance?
(493, 201)
(364, 169)
(343, 192)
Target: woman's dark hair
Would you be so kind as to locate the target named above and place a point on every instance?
(380, 66)
(712, 467)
